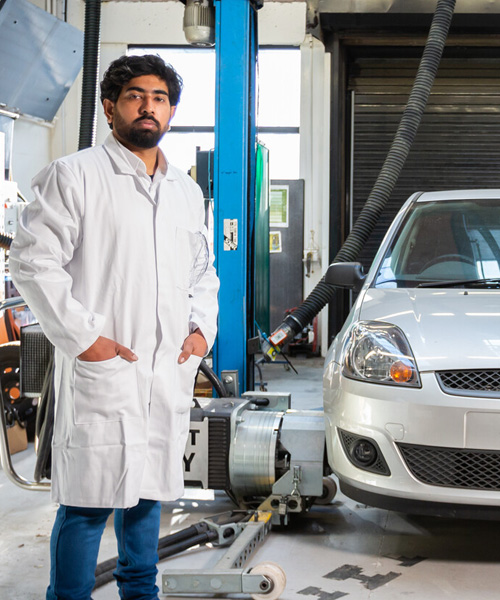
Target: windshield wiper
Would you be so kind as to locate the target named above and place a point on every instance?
(490, 282)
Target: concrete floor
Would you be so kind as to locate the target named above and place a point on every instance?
(342, 550)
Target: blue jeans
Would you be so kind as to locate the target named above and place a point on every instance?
(74, 546)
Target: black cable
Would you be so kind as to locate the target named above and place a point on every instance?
(173, 539)
(388, 176)
(197, 540)
(169, 545)
(44, 426)
(182, 535)
(214, 380)
(105, 570)
(90, 77)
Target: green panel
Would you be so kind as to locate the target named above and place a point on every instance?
(262, 237)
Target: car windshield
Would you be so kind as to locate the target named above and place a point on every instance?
(447, 243)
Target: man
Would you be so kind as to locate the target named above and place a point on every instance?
(112, 258)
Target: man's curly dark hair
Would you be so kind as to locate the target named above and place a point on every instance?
(125, 68)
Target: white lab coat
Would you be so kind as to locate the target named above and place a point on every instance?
(103, 250)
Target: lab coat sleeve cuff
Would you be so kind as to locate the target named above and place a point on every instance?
(193, 326)
(89, 334)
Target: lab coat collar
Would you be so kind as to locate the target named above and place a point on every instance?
(127, 162)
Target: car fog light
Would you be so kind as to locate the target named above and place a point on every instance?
(364, 452)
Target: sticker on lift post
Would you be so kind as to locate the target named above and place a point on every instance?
(230, 234)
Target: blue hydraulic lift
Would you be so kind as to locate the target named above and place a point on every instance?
(234, 182)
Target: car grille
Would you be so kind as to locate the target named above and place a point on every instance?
(485, 382)
(453, 467)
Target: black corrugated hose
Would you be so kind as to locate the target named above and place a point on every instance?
(380, 194)
(90, 77)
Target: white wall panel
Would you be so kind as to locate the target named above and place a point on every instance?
(315, 163)
(31, 152)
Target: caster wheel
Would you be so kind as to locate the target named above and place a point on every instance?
(276, 577)
(329, 491)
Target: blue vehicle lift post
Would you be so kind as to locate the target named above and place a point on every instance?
(234, 183)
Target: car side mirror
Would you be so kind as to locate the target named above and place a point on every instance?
(348, 275)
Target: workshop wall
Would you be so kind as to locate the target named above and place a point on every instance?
(126, 23)
(150, 23)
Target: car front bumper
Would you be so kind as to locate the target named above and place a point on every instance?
(447, 433)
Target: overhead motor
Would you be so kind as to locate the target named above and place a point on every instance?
(199, 23)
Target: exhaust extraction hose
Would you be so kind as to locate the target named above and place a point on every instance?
(388, 176)
(90, 76)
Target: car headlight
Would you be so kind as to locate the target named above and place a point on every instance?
(380, 353)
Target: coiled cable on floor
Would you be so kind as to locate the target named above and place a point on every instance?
(90, 76)
(388, 176)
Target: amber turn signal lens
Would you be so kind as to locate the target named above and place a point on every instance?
(401, 372)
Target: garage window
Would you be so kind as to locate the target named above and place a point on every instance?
(278, 114)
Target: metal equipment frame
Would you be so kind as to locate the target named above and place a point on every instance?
(228, 576)
(5, 458)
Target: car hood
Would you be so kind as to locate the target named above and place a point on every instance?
(446, 329)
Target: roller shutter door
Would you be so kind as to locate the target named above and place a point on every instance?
(457, 145)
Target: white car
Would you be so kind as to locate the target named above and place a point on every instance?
(412, 381)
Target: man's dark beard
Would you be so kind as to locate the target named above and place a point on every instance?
(143, 138)
(138, 137)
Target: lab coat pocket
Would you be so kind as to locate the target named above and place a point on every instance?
(106, 391)
(192, 255)
(186, 375)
